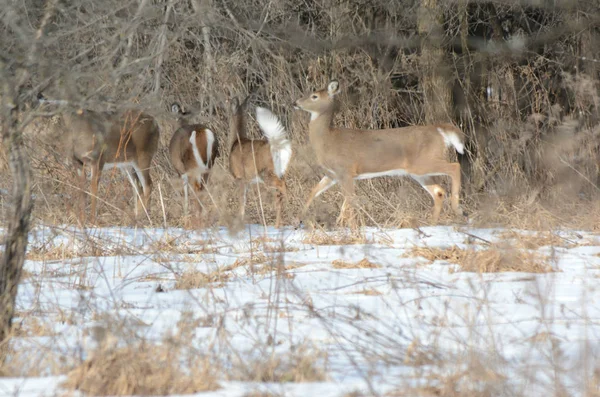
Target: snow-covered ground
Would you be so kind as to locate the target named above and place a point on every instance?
(391, 325)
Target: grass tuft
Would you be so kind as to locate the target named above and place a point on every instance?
(141, 369)
(495, 259)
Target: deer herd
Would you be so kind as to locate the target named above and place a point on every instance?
(129, 140)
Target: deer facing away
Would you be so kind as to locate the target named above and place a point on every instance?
(348, 154)
(193, 150)
(100, 140)
(255, 160)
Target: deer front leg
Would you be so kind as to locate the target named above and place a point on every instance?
(347, 185)
(324, 184)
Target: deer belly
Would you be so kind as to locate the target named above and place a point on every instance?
(120, 165)
(369, 175)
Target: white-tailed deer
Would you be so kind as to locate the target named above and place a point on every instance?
(101, 140)
(255, 160)
(347, 154)
(193, 151)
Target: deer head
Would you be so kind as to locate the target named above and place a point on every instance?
(321, 101)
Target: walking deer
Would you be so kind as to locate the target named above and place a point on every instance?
(193, 150)
(100, 140)
(348, 154)
(255, 160)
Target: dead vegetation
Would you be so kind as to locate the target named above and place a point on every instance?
(193, 279)
(300, 364)
(142, 369)
(535, 240)
(362, 264)
(63, 251)
(342, 237)
(494, 259)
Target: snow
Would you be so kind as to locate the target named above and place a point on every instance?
(406, 323)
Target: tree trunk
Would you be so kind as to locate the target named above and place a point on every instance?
(18, 229)
(434, 79)
(162, 47)
(203, 9)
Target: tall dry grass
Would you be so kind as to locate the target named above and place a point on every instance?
(532, 152)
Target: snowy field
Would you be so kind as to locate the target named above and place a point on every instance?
(308, 313)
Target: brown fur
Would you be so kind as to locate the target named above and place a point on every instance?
(345, 153)
(250, 159)
(182, 156)
(97, 138)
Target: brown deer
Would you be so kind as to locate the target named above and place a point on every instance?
(347, 154)
(100, 140)
(255, 160)
(193, 150)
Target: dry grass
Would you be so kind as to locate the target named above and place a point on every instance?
(535, 241)
(193, 279)
(141, 369)
(261, 393)
(362, 264)
(368, 292)
(273, 248)
(320, 237)
(32, 326)
(51, 252)
(301, 364)
(495, 259)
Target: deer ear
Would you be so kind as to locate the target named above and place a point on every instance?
(175, 108)
(333, 88)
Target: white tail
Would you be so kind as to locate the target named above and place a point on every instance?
(452, 139)
(345, 154)
(281, 147)
(192, 152)
(257, 160)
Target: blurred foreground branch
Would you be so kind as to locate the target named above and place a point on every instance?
(17, 232)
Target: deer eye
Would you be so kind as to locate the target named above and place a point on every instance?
(314, 97)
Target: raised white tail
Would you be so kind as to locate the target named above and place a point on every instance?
(281, 147)
(451, 138)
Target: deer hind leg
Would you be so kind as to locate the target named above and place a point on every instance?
(443, 168)
(96, 174)
(145, 183)
(81, 182)
(437, 194)
(197, 188)
(242, 191)
(136, 186)
(281, 190)
(186, 182)
(454, 173)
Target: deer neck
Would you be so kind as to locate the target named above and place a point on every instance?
(237, 130)
(320, 126)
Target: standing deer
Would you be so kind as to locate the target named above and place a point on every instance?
(102, 140)
(258, 161)
(346, 154)
(193, 151)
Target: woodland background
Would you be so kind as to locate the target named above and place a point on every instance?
(519, 77)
